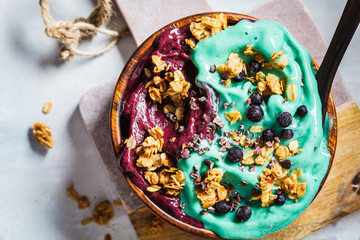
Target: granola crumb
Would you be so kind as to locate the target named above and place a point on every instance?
(47, 107)
(158, 62)
(232, 67)
(190, 42)
(107, 237)
(117, 203)
(83, 202)
(86, 221)
(249, 50)
(72, 193)
(233, 116)
(130, 142)
(211, 190)
(147, 72)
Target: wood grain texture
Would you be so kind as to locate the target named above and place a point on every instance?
(336, 199)
(125, 76)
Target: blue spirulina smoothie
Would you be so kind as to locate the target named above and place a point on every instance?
(266, 37)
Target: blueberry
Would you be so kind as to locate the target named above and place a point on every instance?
(256, 98)
(254, 113)
(235, 154)
(302, 111)
(222, 207)
(284, 119)
(243, 213)
(280, 200)
(240, 77)
(254, 67)
(268, 135)
(287, 134)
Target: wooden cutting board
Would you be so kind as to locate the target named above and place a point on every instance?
(339, 195)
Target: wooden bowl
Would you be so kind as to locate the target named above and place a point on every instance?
(121, 85)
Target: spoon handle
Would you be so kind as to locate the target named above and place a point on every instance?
(344, 32)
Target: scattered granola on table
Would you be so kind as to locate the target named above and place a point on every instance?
(103, 211)
(219, 126)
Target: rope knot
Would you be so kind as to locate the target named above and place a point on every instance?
(69, 34)
(64, 31)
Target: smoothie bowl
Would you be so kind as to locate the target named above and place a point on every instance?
(216, 125)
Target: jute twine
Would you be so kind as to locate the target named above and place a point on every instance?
(70, 34)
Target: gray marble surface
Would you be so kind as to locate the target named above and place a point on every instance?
(33, 202)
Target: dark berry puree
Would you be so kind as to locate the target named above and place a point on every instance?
(139, 113)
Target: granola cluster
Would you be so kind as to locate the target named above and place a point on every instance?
(233, 116)
(43, 134)
(270, 84)
(276, 178)
(211, 191)
(204, 27)
(267, 84)
(172, 86)
(232, 68)
(257, 153)
(103, 213)
(161, 172)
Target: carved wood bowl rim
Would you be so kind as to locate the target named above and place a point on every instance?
(121, 85)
